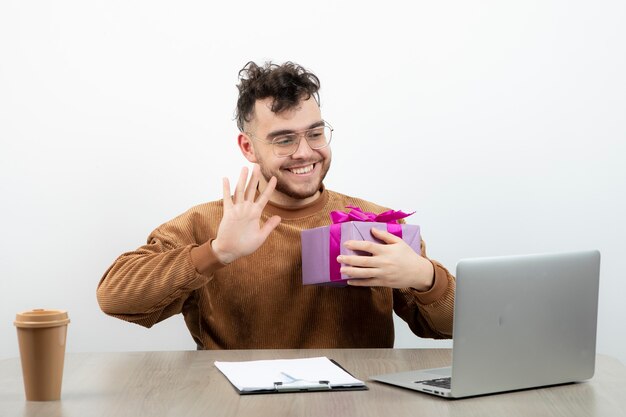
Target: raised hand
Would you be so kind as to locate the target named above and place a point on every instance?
(240, 232)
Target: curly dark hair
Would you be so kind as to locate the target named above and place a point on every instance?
(287, 84)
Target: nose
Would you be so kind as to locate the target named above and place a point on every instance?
(304, 150)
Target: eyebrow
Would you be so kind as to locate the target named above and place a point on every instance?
(287, 131)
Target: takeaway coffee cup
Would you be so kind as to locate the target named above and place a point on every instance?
(41, 335)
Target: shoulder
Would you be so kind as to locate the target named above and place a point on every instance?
(192, 225)
(204, 210)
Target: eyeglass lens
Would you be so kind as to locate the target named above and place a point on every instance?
(317, 138)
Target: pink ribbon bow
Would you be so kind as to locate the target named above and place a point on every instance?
(390, 217)
(356, 214)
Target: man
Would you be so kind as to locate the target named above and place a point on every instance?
(233, 267)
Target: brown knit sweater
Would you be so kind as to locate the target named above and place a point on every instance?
(258, 301)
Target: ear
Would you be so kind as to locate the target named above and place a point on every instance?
(245, 144)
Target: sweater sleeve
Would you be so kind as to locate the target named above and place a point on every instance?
(429, 313)
(150, 284)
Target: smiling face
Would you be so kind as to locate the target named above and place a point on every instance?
(299, 175)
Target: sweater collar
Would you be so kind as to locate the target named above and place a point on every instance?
(298, 212)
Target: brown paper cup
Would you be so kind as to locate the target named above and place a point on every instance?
(41, 335)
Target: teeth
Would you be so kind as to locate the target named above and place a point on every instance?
(302, 170)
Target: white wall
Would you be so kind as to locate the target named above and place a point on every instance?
(502, 123)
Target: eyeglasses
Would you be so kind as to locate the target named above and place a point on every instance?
(287, 144)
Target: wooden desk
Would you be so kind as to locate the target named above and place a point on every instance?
(180, 384)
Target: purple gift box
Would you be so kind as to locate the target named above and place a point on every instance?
(322, 245)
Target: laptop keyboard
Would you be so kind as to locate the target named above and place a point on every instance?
(439, 382)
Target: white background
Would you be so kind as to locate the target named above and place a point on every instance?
(501, 123)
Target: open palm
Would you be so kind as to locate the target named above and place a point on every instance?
(240, 232)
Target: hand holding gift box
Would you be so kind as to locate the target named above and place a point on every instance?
(322, 245)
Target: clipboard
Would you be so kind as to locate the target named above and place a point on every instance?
(281, 376)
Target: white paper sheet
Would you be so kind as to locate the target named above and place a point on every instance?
(262, 375)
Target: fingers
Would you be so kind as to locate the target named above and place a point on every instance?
(356, 272)
(253, 184)
(357, 260)
(393, 265)
(355, 266)
(372, 247)
(385, 236)
(269, 226)
(241, 185)
(228, 201)
(364, 245)
(240, 232)
(247, 192)
(370, 271)
(267, 193)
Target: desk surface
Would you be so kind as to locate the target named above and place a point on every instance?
(187, 383)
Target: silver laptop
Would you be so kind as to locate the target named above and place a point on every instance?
(519, 322)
